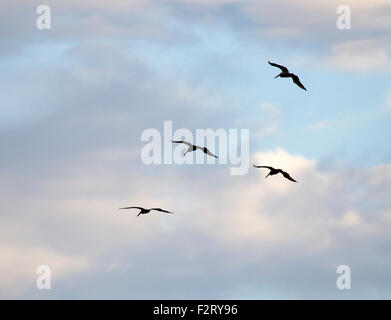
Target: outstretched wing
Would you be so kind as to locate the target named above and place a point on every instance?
(161, 210)
(208, 152)
(283, 69)
(132, 208)
(270, 168)
(286, 175)
(296, 80)
(184, 142)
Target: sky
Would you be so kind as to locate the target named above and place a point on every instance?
(77, 98)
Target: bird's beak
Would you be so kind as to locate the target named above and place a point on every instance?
(276, 76)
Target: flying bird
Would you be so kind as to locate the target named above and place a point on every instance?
(286, 74)
(145, 211)
(274, 171)
(192, 148)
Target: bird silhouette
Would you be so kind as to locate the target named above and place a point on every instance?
(274, 171)
(145, 211)
(286, 74)
(192, 147)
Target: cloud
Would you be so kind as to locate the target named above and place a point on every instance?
(310, 26)
(321, 125)
(298, 20)
(73, 158)
(270, 108)
(74, 21)
(314, 224)
(307, 26)
(18, 267)
(351, 219)
(362, 55)
(264, 121)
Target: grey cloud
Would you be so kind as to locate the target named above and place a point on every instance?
(207, 249)
(305, 25)
(66, 172)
